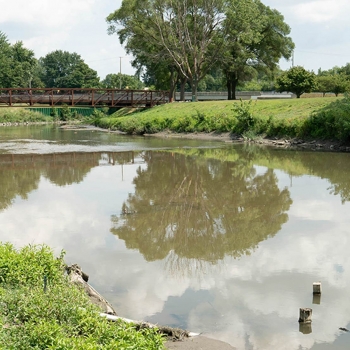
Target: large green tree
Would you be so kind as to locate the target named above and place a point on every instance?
(67, 70)
(190, 37)
(180, 32)
(297, 80)
(17, 65)
(123, 81)
(256, 39)
(337, 83)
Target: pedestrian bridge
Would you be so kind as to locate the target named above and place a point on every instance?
(81, 97)
(50, 97)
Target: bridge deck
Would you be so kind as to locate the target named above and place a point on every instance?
(82, 97)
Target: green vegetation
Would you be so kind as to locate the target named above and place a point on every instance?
(21, 115)
(18, 65)
(297, 80)
(122, 81)
(24, 115)
(323, 118)
(64, 69)
(180, 42)
(58, 316)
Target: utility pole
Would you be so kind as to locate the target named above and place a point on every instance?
(120, 72)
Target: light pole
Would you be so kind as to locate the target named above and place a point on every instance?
(120, 72)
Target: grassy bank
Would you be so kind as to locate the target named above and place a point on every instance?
(60, 317)
(323, 118)
(21, 115)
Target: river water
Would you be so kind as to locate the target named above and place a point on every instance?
(226, 240)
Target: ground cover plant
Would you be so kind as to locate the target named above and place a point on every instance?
(21, 115)
(40, 309)
(324, 118)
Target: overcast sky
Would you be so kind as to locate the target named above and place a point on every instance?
(319, 29)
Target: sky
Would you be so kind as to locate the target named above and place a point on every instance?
(319, 29)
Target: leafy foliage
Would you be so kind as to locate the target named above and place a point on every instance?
(179, 35)
(67, 70)
(123, 81)
(18, 65)
(60, 318)
(21, 115)
(256, 39)
(297, 80)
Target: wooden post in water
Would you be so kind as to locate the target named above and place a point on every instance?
(305, 328)
(317, 288)
(305, 315)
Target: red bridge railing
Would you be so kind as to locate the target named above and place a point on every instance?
(82, 97)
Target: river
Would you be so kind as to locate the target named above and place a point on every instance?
(221, 239)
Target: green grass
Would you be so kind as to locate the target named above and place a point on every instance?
(21, 115)
(59, 318)
(327, 117)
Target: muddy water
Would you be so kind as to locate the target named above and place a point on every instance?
(215, 238)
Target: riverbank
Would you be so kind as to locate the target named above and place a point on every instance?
(292, 143)
(326, 119)
(41, 309)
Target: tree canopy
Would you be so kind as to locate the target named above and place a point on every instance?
(297, 80)
(122, 81)
(189, 37)
(64, 69)
(18, 64)
(182, 35)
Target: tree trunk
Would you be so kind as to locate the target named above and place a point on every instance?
(194, 85)
(229, 89)
(234, 85)
(173, 80)
(231, 83)
(183, 82)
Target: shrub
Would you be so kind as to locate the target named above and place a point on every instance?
(243, 112)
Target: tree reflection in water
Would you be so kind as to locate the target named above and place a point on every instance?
(189, 210)
(20, 174)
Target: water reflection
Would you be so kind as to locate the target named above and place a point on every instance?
(251, 288)
(183, 208)
(334, 167)
(20, 174)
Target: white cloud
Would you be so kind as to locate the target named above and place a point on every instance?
(321, 11)
(46, 14)
(75, 26)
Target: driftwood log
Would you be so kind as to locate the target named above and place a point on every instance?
(78, 277)
(174, 334)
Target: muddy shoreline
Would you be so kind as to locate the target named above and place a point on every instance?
(288, 143)
(296, 143)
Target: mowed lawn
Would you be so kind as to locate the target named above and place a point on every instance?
(302, 107)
